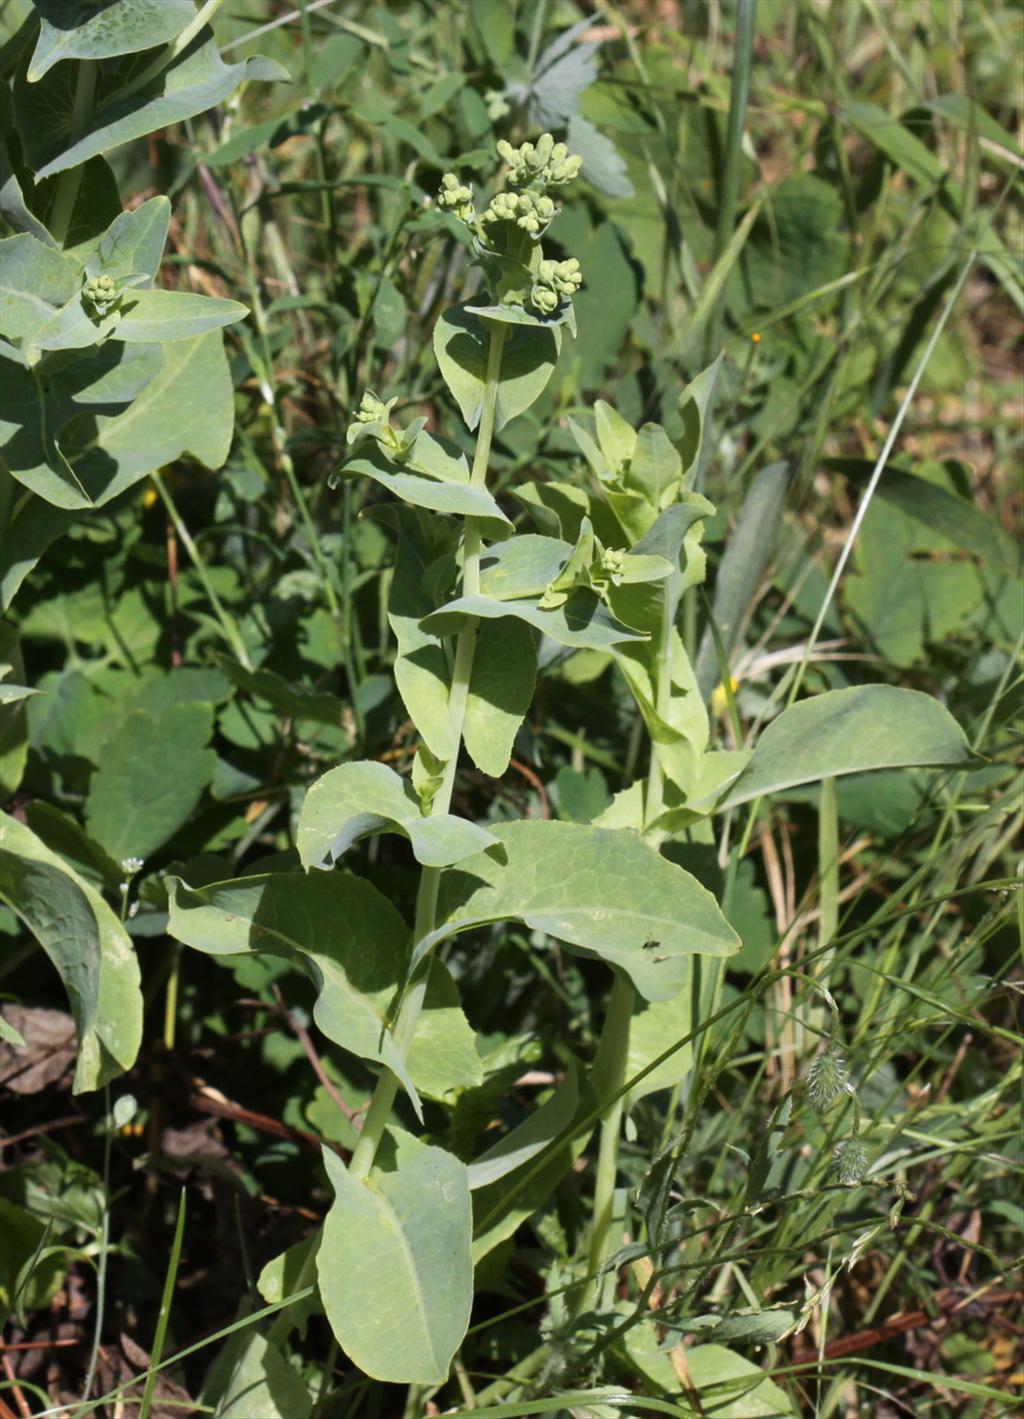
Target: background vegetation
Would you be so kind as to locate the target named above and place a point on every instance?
(208, 642)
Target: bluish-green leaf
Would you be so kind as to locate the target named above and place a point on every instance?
(39, 402)
(461, 342)
(604, 892)
(357, 799)
(849, 732)
(464, 499)
(155, 316)
(357, 947)
(394, 1265)
(37, 281)
(500, 690)
(196, 80)
(69, 29)
(424, 562)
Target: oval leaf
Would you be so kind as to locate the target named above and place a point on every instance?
(850, 732)
(394, 1266)
(461, 341)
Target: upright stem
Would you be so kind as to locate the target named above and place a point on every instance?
(609, 1076)
(609, 1072)
(430, 879)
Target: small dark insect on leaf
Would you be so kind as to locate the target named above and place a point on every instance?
(651, 945)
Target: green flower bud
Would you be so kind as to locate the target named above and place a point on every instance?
(456, 197)
(100, 295)
(564, 171)
(542, 152)
(544, 299)
(371, 409)
(503, 208)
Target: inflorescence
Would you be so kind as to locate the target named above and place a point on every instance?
(513, 222)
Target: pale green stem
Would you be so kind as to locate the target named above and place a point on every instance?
(69, 181)
(613, 1049)
(426, 898)
(609, 1077)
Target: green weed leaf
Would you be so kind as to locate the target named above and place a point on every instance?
(394, 1265)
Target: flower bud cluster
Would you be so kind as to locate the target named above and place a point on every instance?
(555, 279)
(100, 295)
(509, 229)
(371, 409)
(456, 197)
(532, 213)
(544, 164)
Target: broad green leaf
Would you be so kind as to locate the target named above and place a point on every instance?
(357, 947)
(13, 716)
(155, 316)
(424, 567)
(523, 1143)
(580, 795)
(795, 245)
(37, 281)
(64, 835)
(196, 80)
(70, 30)
(251, 1379)
(461, 342)
(354, 800)
(463, 499)
(39, 402)
(606, 893)
(849, 732)
(657, 1025)
(742, 565)
(500, 690)
(88, 946)
(394, 1265)
(186, 374)
(151, 775)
